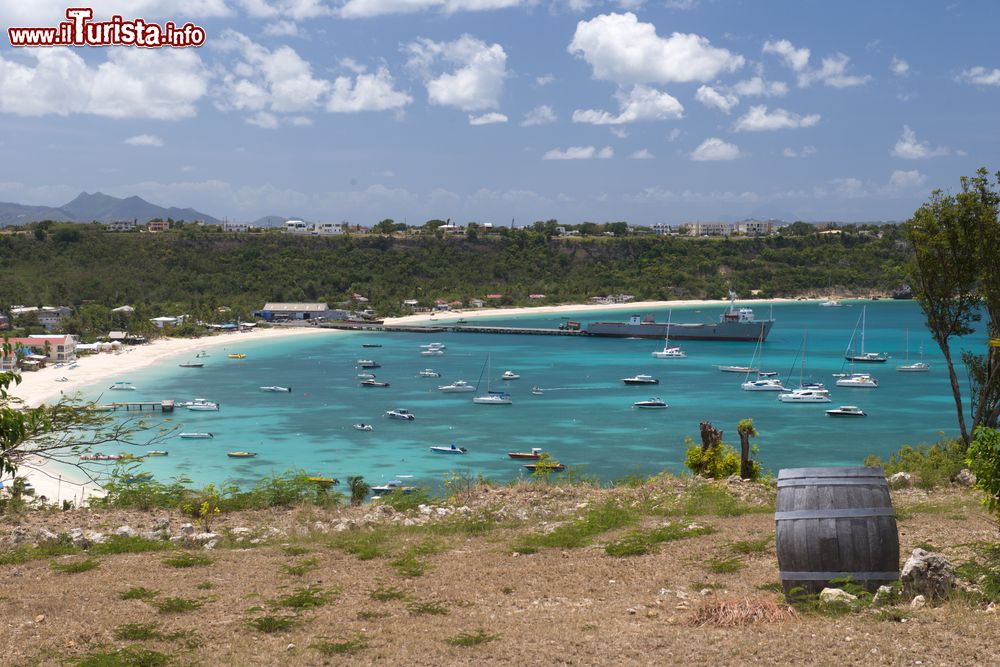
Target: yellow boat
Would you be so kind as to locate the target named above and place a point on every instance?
(324, 480)
(241, 455)
(237, 355)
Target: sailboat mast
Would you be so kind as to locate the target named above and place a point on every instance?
(864, 309)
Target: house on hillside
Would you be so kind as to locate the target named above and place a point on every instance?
(297, 227)
(329, 228)
(279, 312)
(237, 226)
(48, 316)
(122, 226)
(157, 226)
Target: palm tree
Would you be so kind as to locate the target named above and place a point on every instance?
(746, 430)
(359, 489)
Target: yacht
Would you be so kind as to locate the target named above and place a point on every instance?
(805, 396)
(192, 364)
(509, 375)
(371, 344)
(863, 357)
(493, 398)
(434, 346)
(372, 382)
(669, 352)
(533, 455)
(458, 386)
(198, 436)
(448, 449)
(858, 380)
(738, 369)
(391, 486)
(365, 376)
(276, 388)
(651, 404)
(400, 413)
(122, 385)
(916, 367)
(763, 384)
(363, 427)
(432, 352)
(847, 411)
(368, 363)
(429, 373)
(641, 379)
(202, 405)
(831, 303)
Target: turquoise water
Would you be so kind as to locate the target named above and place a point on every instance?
(584, 418)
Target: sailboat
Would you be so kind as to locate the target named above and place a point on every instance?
(917, 367)
(490, 397)
(863, 357)
(668, 352)
(806, 393)
(764, 381)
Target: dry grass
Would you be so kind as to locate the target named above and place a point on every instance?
(741, 612)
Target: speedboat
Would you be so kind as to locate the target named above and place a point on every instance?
(429, 373)
(241, 455)
(456, 387)
(390, 486)
(763, 384)
(433, 352)
(533, 455)
(805, 396)
(366, 376)
(368, 363)
(276, 388)
(372, 382)
(237, 355)
(553, 467)
(400, 413)
(191, 364)
(651, 404)
(434, 346)
(493, 398)
(858, 381)
(156, 452)
(738, 369)
(509, 375)
(199, 436)
(767, 374)
(371, 345)
(537, 391)
(363, 427)
(202, 405)
(122, 385)
(449, 449)
(830, 303)
(202, 355)
(641, 379)
(847, 411)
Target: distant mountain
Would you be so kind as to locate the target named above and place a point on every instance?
(100, 207)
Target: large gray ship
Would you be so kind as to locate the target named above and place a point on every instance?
(736, 324)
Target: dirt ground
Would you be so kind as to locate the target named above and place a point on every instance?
(566, 606)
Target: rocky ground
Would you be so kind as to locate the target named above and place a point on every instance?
(472, 580)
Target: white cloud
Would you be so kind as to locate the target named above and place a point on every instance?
(796, 59)
(163, 84)
(619, 132)
(674, 134)
(758, 87)
(641, 154)
(540, 115)
(282, 29)
(621, 49)
(980, 76)
(368, 8)
(713, 149)
(642, 103)
(805, 151)
(263, 119)
(910, 148)
(579, 153)
(477, 82)
(713, 98)
(487, 118)
(832, 73)
(758, 119)
(683, 5)
(899, 67)
(149, 140)
(366, 92)
(906, 180)
(544, 80)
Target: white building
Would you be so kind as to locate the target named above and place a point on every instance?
(297, 227)
(709, 228)
(662, 229)
(48, 316)
(299, 311)
(122, 226)
(237, 226)
(329, 228)
(754, 227)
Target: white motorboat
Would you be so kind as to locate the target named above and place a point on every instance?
(456, 387)
(863, 357)
(429, 373)
(400, 413)
(363, 427)
(365, 376)
(537, 391)
(433, 352)
(434, 346)
(656, 403)
(763, 384)
(510, 375)
(122, 385)
(368, 363)
(62, 379)
(448, 449)
(847, 411)
(669, 352)
(493, 398)
(916, 367)
(276, 389)
(372, 382)
(202, 355)
(831, 303)
(858, 381)
(202, 405)
(738, 369)
(196, 436)
(805, 396)
(391, 486)
(641, 379)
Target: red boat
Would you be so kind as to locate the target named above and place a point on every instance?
(533, 455)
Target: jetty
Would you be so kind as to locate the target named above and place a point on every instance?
(452, 328)
(136, 406)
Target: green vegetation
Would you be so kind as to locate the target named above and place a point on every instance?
(122, 544)
(176, 605)
(76, 566)
(372, 615)
(640, 543)
(984, 461)
(429, 608)
(386, 594)
(578, 533)
(272, 624)
(130, 656)
(185, 559)
(933, 465)
(467, 639)
(345, 647)
(724, 565)
(138, 632)
(138, 593)
(305, 598)
(302, 567)
(747, 547)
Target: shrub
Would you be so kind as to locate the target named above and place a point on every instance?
(467, 639)
(984, 460)
(75, 567)
(715, 462)
(933, 464)
(271, 624)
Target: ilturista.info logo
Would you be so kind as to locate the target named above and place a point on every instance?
(81, 30)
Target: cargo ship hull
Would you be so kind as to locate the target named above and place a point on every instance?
(749, 332)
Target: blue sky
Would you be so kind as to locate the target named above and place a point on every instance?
(492, 110)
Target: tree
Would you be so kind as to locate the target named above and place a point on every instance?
(359, 489)
(387, 226)
(952, 271)
(746, 430)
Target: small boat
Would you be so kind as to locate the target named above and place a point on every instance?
(510, 375)
(461, 321)
(805, 396)
(400, 413)
(458, 386)
(533, 455)
(156, 452)
(368, 363)
(324, 481)
(641, 379)
(554, 467)
(366, 376)
(241, 455)
(390, 486)
(493, 398)
(371, 345)
(858, 381)
(199, 436)
(200, 404)
(429, 373)
(830, 303)
(434, 346)
(192, 364)
(276, 388)
(738, 369)
(537, 391)
(651, 404)
(122, 385)
(767, 374)
(449, 449)
(372, 382)
(202, 355)
(237, 355)
(763, 384)
(363, 427)
(433, 352)
(847, 411)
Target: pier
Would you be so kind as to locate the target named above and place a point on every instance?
(453, 328)
(136, 406)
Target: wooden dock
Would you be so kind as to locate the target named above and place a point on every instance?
(136, 406)
(453, 328)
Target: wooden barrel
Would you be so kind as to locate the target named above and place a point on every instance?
(834, 523)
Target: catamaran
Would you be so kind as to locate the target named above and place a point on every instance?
(490, 397)
(863, 357)
(916, 367)
(668, 352)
